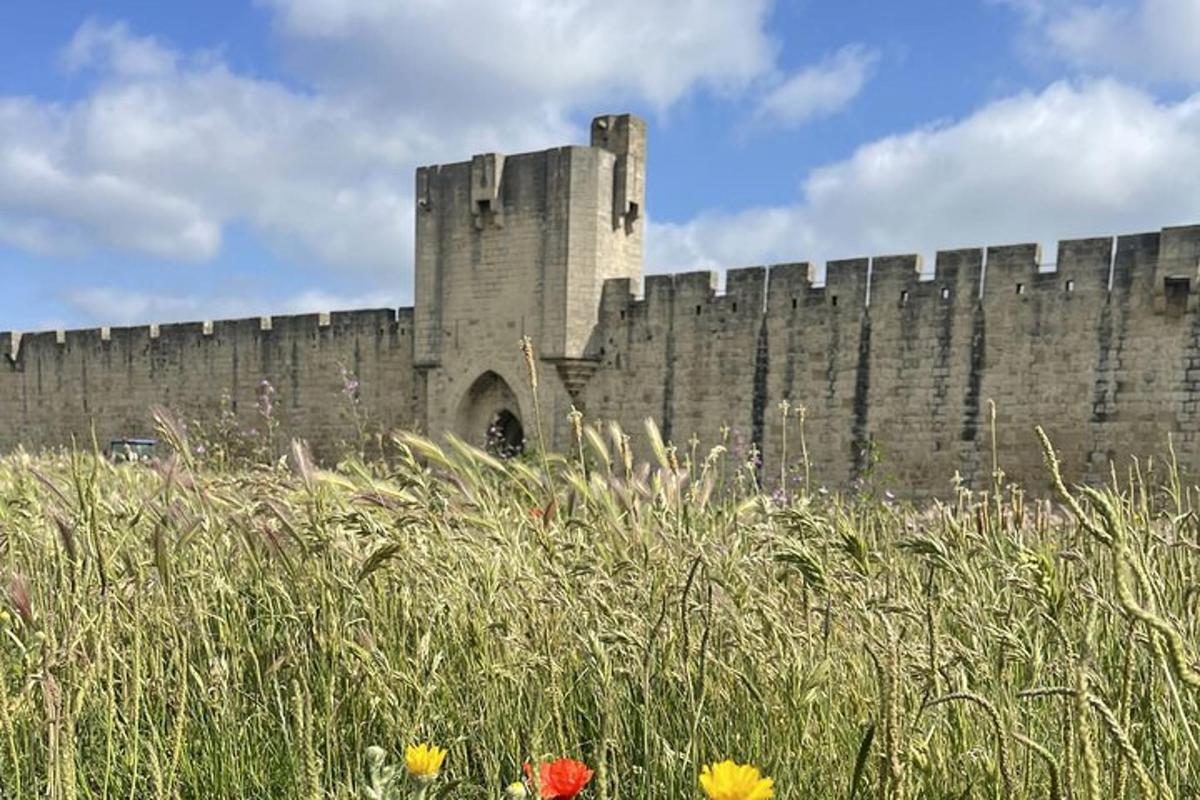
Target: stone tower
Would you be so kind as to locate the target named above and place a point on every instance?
(521, 245)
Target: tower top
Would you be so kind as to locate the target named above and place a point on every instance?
(619, 133)
(521, 244)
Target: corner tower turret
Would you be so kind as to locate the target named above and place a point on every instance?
(520, 245)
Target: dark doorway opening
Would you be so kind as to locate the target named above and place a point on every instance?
(505, 435)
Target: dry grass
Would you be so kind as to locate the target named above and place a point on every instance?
(182, 631)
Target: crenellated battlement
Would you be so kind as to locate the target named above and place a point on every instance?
(61, 386)
(898, 362)
(1168, 263)
(908, 370)
(21, 347)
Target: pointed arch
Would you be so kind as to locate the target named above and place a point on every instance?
(489, 416)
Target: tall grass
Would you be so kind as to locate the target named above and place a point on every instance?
(185, 631)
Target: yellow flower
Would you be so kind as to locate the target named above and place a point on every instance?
(730, 781)
(516, 789)
(424, 761)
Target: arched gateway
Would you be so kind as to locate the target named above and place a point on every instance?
(489, 416)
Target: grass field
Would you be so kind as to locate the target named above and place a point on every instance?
(190, 630)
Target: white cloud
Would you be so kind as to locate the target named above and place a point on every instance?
(116, 48)
(39, 186)
(108, 306)
(819, 90)
(162, 155)
(39, 236)
(1075, 160)
(166, 149)
(1152, 39)
(165, 152)
(473, 55)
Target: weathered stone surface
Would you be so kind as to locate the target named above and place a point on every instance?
(897, 370)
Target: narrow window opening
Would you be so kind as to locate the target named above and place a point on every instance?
(1020, 288)
(945, 293)
(903, 296)
(735, 308)
(833, 300)
(632, 213)
(697, 311)
(793, 304)
(1070, 286)
(1177, 290)
(622, 315)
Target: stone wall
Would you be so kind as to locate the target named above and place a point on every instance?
(683, 356)
(897, 370)
(54, 387)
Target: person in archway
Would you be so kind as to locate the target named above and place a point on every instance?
(505, 436)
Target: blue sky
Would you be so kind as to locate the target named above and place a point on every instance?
(163, 161)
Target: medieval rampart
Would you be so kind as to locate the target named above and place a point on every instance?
(55, 386)
(894, 367)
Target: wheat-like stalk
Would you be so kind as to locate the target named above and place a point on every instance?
(255, 628)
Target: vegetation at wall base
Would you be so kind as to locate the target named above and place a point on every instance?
(190, 630)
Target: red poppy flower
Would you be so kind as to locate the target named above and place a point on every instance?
(560, 780)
